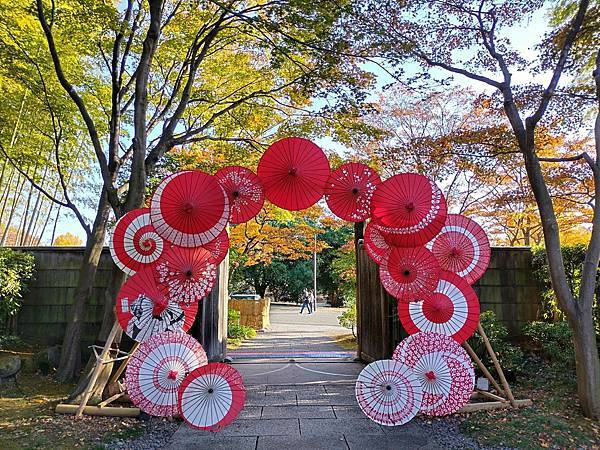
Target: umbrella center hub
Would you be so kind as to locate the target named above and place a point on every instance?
(455, 252)
(406, 272)
(189, 273)
(188, 208)
(235, 194)
(211, 390)
(355, 191)
(388, 387)
(430, 375)
(410, 206)
(439, 308)
(292, 171)
(172, 375)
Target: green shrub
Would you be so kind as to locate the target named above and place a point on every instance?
(552, 341)
(348, 318)
(509, 356)
(16, 269)
(235, 330)
(11, 342)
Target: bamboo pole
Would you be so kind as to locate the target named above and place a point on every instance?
(97, 369)
(63, 408)
(484, 369)
(487, 406)
(490, 350)
(123, 364)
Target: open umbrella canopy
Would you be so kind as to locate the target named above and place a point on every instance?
(409, 209)
(156, 370)
(143, 310)
(212, 396)
(349, 190)
(409, 273)
(244, 190)
(189, 208)
(293, 172)
(218, 247)
(134, 243)
(388, 392)
(444, 369)
(452, 310)
(462, 247)
(375, 243)
(186, 275)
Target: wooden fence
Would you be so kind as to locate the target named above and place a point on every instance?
(507, 288)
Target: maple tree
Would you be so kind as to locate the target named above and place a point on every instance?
(67, 240)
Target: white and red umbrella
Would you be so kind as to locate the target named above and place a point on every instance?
(293, 172)
(218, 247)
(462, 247)
(158, 367)
(375, 243)
(388, 392)
(452, 310)
(444, 369)
(409, 208)
(189, 208)
(409, 273)
(143, 310)
(349, 190)
(134, 243)
(245, 192)
(212, 396)
(186, 275)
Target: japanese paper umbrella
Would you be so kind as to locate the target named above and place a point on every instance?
(143, 310)
(134, 243)
(349, 190)
(452, 310)
(388, 392)
(186, 275)
(244, 190)
(218, 247)
(157, 369)
(293, 172)
(212, 396)
(462, 247)
(409, 273)
(409, 208)
(189, 208)
(375, 243)
(443, 368)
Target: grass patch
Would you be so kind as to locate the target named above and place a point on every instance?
(553, 421)
(346, 341)
(28, 420)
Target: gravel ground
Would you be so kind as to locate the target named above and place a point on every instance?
(157, 434)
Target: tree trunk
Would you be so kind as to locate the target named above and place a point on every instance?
(70, 358)
(587, 363)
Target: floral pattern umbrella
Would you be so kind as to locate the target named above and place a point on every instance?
(218, 247)
(244, 190)
(375, 243)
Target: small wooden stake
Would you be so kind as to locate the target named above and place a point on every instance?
(97, 369)
(123, 365)
(103, 403)
(484, 369)
(490, 350)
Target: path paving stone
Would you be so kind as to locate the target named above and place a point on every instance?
(336, 427)
(406, 441)
(327, 399)
(254, 399)
(215, 442)
(251, 412)
(301, 443)
(347, 412)
(285, 412)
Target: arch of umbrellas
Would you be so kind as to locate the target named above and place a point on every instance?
(428, 260)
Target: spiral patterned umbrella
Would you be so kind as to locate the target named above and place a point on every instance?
(135, 244)
(189, 208)
(245, 192)
(143, 310)
(349, 190)
(375, 243)
(409, 273)
(409, 208)
(452, 310)
(444, 369)
(293, 172)
(212, 396)
(462, 247)
(388, 392)
(157, 369)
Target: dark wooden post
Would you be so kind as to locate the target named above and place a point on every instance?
(358, 236)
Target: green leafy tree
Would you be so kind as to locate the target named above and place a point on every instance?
(16, 269)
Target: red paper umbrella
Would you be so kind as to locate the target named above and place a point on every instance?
(186, 275)
(212, 396)
(218, 247)
(244, 190)
(143, 310)
(409, 273)
(409, 208)
(375, 243)
(462, 247)
(294, 172)
(444, 369)
(452, 310)
(189, 208)
(349, 190)
(158, 367)
(388, 392)
(134, 243)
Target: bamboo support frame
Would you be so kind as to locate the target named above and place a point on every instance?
(484, 369)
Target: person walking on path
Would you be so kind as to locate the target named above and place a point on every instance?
(306, 302)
